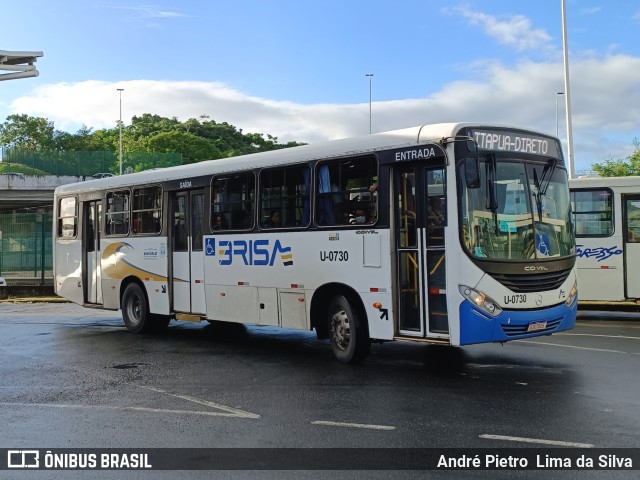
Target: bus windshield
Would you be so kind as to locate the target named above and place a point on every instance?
(520, 212)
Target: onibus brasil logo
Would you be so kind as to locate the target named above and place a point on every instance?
(250, 252)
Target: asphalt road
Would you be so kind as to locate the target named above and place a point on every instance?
(75, 378)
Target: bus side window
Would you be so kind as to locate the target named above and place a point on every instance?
(67, 218)
(344, 187)
(233, 202)
(593, 212)
(118, 213)
(146, 210)
(284, 197)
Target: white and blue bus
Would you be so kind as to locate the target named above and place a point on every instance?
(451, 234)
(607, 223)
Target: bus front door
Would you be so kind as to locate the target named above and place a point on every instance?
(92, 219)
(631, 232)
(419, 223)
(187, 267)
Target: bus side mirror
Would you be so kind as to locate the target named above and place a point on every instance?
(472, 172)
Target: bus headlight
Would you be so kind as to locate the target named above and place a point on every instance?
(572, 295)
(480, 300)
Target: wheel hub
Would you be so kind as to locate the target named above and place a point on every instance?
(340, 329)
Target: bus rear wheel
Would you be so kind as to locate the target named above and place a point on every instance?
(348, 335)
(135, 311)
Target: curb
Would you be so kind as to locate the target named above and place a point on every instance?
(34, 300)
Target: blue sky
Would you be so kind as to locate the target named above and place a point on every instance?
(296, 69)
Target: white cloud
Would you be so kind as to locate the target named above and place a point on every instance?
(515, 30)
(605, 105)
(590, 10)
(152, 11)
(146, 16)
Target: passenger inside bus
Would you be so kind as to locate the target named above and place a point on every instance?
(220, 222)
(359, 216)
(275, 220)
(435, 213)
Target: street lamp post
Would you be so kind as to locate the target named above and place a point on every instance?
(369, 75)
(567, 93)
(557, 93)
(120, 124)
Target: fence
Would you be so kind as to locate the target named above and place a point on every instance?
(26, 246)
(87, 163)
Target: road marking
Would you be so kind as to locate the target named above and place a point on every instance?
(230, 412)
(628, 324)
(536, 440)
(594, 335)
(138, 409)
(353, 425)
(578, 348)
(223, 410)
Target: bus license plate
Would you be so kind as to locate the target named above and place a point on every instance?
(535, 326)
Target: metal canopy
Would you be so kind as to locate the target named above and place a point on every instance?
(18, 64)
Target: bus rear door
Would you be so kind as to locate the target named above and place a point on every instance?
(187, 268)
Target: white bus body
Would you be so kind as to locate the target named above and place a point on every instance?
(607, 224)
(196, 242)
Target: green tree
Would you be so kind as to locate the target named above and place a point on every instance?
(27, 133)
(195, 140)
(622, 167)
(84, 139)
(192, 147)
(148, 125)
(232, 141)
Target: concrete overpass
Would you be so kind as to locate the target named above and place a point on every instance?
(18, 190)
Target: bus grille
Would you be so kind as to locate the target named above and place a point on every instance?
(514, 330)
(539, 282)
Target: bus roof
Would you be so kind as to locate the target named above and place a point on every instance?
(595, 182)
(332, 148)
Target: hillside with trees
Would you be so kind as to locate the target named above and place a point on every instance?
(150, 141)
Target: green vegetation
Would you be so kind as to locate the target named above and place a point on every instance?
(6, 167)
(151, 141)
(621, 168)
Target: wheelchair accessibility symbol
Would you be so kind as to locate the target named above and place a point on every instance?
(210, 247)
(542, 244)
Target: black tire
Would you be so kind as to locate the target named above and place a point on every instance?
(135, 309)
(347, 332)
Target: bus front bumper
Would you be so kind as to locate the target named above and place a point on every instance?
(478, 327)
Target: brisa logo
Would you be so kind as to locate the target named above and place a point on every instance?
(249, 252)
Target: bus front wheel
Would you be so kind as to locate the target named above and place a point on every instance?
(135, 310)
(349, 338)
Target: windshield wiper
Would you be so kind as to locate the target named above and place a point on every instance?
(492, 200)
(542, 184)
(547, 173)
(538, 194)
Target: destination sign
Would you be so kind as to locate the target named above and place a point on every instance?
(515, 141)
